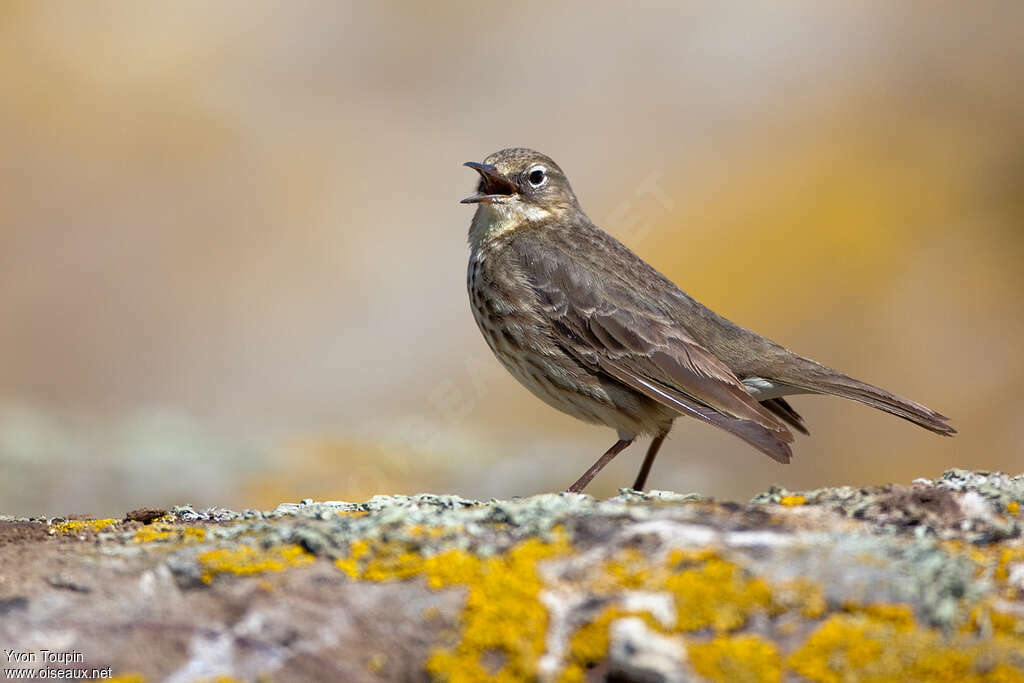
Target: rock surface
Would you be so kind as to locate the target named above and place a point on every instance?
(921, 582)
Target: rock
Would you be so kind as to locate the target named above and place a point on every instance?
(918, 582)
(637, 652)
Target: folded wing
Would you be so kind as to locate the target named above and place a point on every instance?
(623, 334)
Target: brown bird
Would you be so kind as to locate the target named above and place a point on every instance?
(593, 330)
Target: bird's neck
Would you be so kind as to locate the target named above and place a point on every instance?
(494, 220)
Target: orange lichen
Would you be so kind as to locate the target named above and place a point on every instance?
(1013, 507)
(790, 501)
(736, 659)
(246, 560)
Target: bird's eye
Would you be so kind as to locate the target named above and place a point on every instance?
(537, 177)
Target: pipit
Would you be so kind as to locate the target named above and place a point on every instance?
(594, 331)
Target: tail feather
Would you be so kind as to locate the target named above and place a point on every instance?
(819, 379)
(781, 409)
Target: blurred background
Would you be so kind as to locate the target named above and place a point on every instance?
(232, 258)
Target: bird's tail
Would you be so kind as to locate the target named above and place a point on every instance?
(816, 378)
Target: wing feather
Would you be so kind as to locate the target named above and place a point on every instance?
(622, 333)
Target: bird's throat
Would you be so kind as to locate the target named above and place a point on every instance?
(493, 220)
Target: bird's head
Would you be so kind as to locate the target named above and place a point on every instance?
(519, 186)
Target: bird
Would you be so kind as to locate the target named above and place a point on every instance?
(596, 332)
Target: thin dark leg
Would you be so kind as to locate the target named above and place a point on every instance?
(645, 469)
(582, 482)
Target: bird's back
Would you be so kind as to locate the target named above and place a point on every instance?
(604, 262)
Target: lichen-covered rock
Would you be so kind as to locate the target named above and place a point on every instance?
(922, 582)
(979, 507)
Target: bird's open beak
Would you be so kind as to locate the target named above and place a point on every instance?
(493, 186)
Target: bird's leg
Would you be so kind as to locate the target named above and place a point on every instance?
(582, 482)
(645, 469)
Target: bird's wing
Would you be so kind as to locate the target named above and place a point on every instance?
(612, 325)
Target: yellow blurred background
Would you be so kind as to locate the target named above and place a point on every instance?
(232, 261)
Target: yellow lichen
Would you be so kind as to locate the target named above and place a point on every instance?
(1006, 624)
(994, 562)
(503, 618)
(451, 568)
(503, 613)
(736, 659)
(711, 592)
(246, 560)
(589, 644)
(985, 620)
(790, 501)
(1013, 507)
(629, 569)
(161, 531)
(429, 531)
(75, 526)
(356, 551)
(708, 591)
(503, 625)
(375, 664)
(392, 563)
(125, 678)
(801, 595)
(1007, 557)
(886, 645)
(900, 616)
